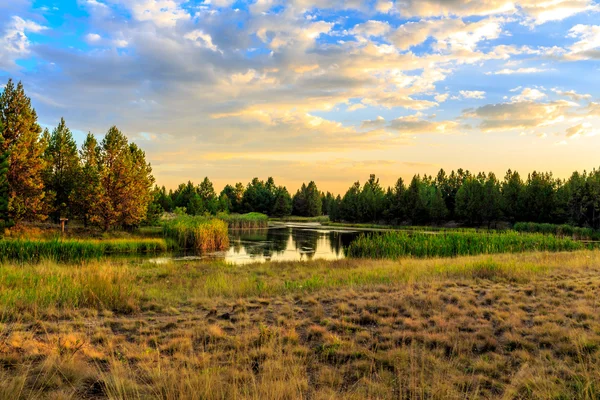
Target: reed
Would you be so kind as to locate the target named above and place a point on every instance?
(198, 233)
(251, 220)
(393, 245)
(73, 250)
(558, 230)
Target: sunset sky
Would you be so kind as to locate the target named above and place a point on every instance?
(329, 91)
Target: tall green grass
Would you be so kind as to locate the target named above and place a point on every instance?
(251, 220)
(558, 230)
(73, 250)
(198, 233)
(323, 219)
(394, 245)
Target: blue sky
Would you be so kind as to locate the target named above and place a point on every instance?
(329, 91)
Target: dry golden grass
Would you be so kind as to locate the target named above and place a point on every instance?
(512, 326)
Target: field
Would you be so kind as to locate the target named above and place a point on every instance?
(503, 326)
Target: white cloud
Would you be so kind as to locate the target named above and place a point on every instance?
(472, 94)
(201, 39)
(92, 38)
(573, 95)
(14, 43)
(440, 98)
(528, 94)
(508, 71)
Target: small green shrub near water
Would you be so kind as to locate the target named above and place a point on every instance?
(198, 233)
(251, 220)
(394, 245)
(70, 250)
(559, 230)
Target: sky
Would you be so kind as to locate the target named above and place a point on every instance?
(329, 90)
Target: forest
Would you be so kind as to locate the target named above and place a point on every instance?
(110, 184)
(461, 196)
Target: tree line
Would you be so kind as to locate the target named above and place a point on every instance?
(256, 196)
(460, 196)
(44, 175)
(474, 199)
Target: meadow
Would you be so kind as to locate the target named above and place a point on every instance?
(504, 326)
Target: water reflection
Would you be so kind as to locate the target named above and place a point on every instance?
(285, 243)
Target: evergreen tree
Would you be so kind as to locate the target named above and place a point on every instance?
(5, 220)
(27, 198)
(87, 193)
(125, 180)
(416, 202)
(313, 200)
(299, 207)
(470, 200)
(62, 168)
(492, 200)
(283, 203)
(396, 197)
(207, 193)
(512, 191)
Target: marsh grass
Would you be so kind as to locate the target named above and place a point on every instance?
(203, 234)
(323, 219)
(398, 244)
(74, 250)
(505, 326)
(558, 230)
(251, 220)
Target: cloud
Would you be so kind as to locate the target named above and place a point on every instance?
(578, 130)
(588, 45)
(415, 125)
(92, 38)
(573, 95)
(372, 124)
(534, 11)
(508, 71)
(162, 13)
(14, 43)
(522, 115)
(528, 94)
(440, 98)
(472, 94)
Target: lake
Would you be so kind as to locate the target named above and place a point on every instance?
(282, 242)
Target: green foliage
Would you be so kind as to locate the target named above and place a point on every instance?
(62, 169)
(22, 141)
(5, 220)
(282, 206)
(307, 201)
(558, 230)
(403, 244)
(71, 250)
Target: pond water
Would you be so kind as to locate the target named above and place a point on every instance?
(285, 242)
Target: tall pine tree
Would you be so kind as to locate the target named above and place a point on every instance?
(62, 167)
(4, 217)
(27, 198)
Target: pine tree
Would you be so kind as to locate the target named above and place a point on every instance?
(27, 199)
(87, 194)
(125, 182)
(313, 200)
(62, 167)
(283, 203)
(4, 217)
